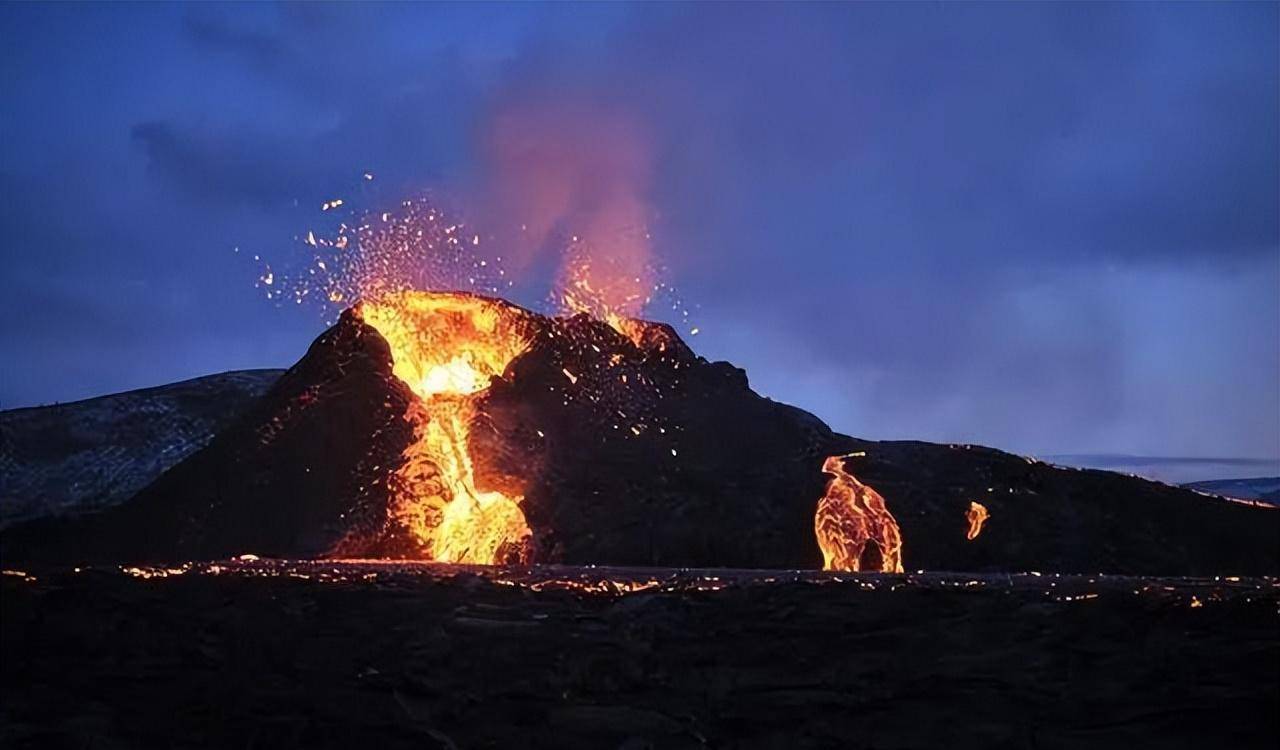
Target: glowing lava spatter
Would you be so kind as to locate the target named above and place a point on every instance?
(414, 245)
(976, 515)
(447, 347)
(372, 253)
(855, 530)
(614, 303)
(614, 291)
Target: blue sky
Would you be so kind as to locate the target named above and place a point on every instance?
(1049, 228)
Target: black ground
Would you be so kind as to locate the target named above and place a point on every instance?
(268, 655)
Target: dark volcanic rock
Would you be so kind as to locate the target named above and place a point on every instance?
(338, 655)
(634, 454)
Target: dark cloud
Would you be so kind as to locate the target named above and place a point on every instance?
(263, 50)
(236, 169)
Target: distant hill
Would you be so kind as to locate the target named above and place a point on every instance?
(1266, 489)
(87, 455)
(1172, 469)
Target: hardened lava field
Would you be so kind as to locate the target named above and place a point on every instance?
(257, 653)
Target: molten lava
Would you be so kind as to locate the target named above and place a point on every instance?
(448, 347)
(855, 530)
(976, 515)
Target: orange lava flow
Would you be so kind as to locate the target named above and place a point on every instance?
(447, 348)
(855, 530)
(976, 515)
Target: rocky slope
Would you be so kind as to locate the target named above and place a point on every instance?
(89, 455)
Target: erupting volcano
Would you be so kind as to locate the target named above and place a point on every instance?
(459, 428)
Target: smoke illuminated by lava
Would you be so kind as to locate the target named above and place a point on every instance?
(575, 176)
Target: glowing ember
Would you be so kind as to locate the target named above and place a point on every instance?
(976, 515)
(855, 530)
(447, 348)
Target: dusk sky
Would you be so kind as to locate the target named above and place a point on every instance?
(1047, 228)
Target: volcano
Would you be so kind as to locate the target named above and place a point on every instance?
(459, 428)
